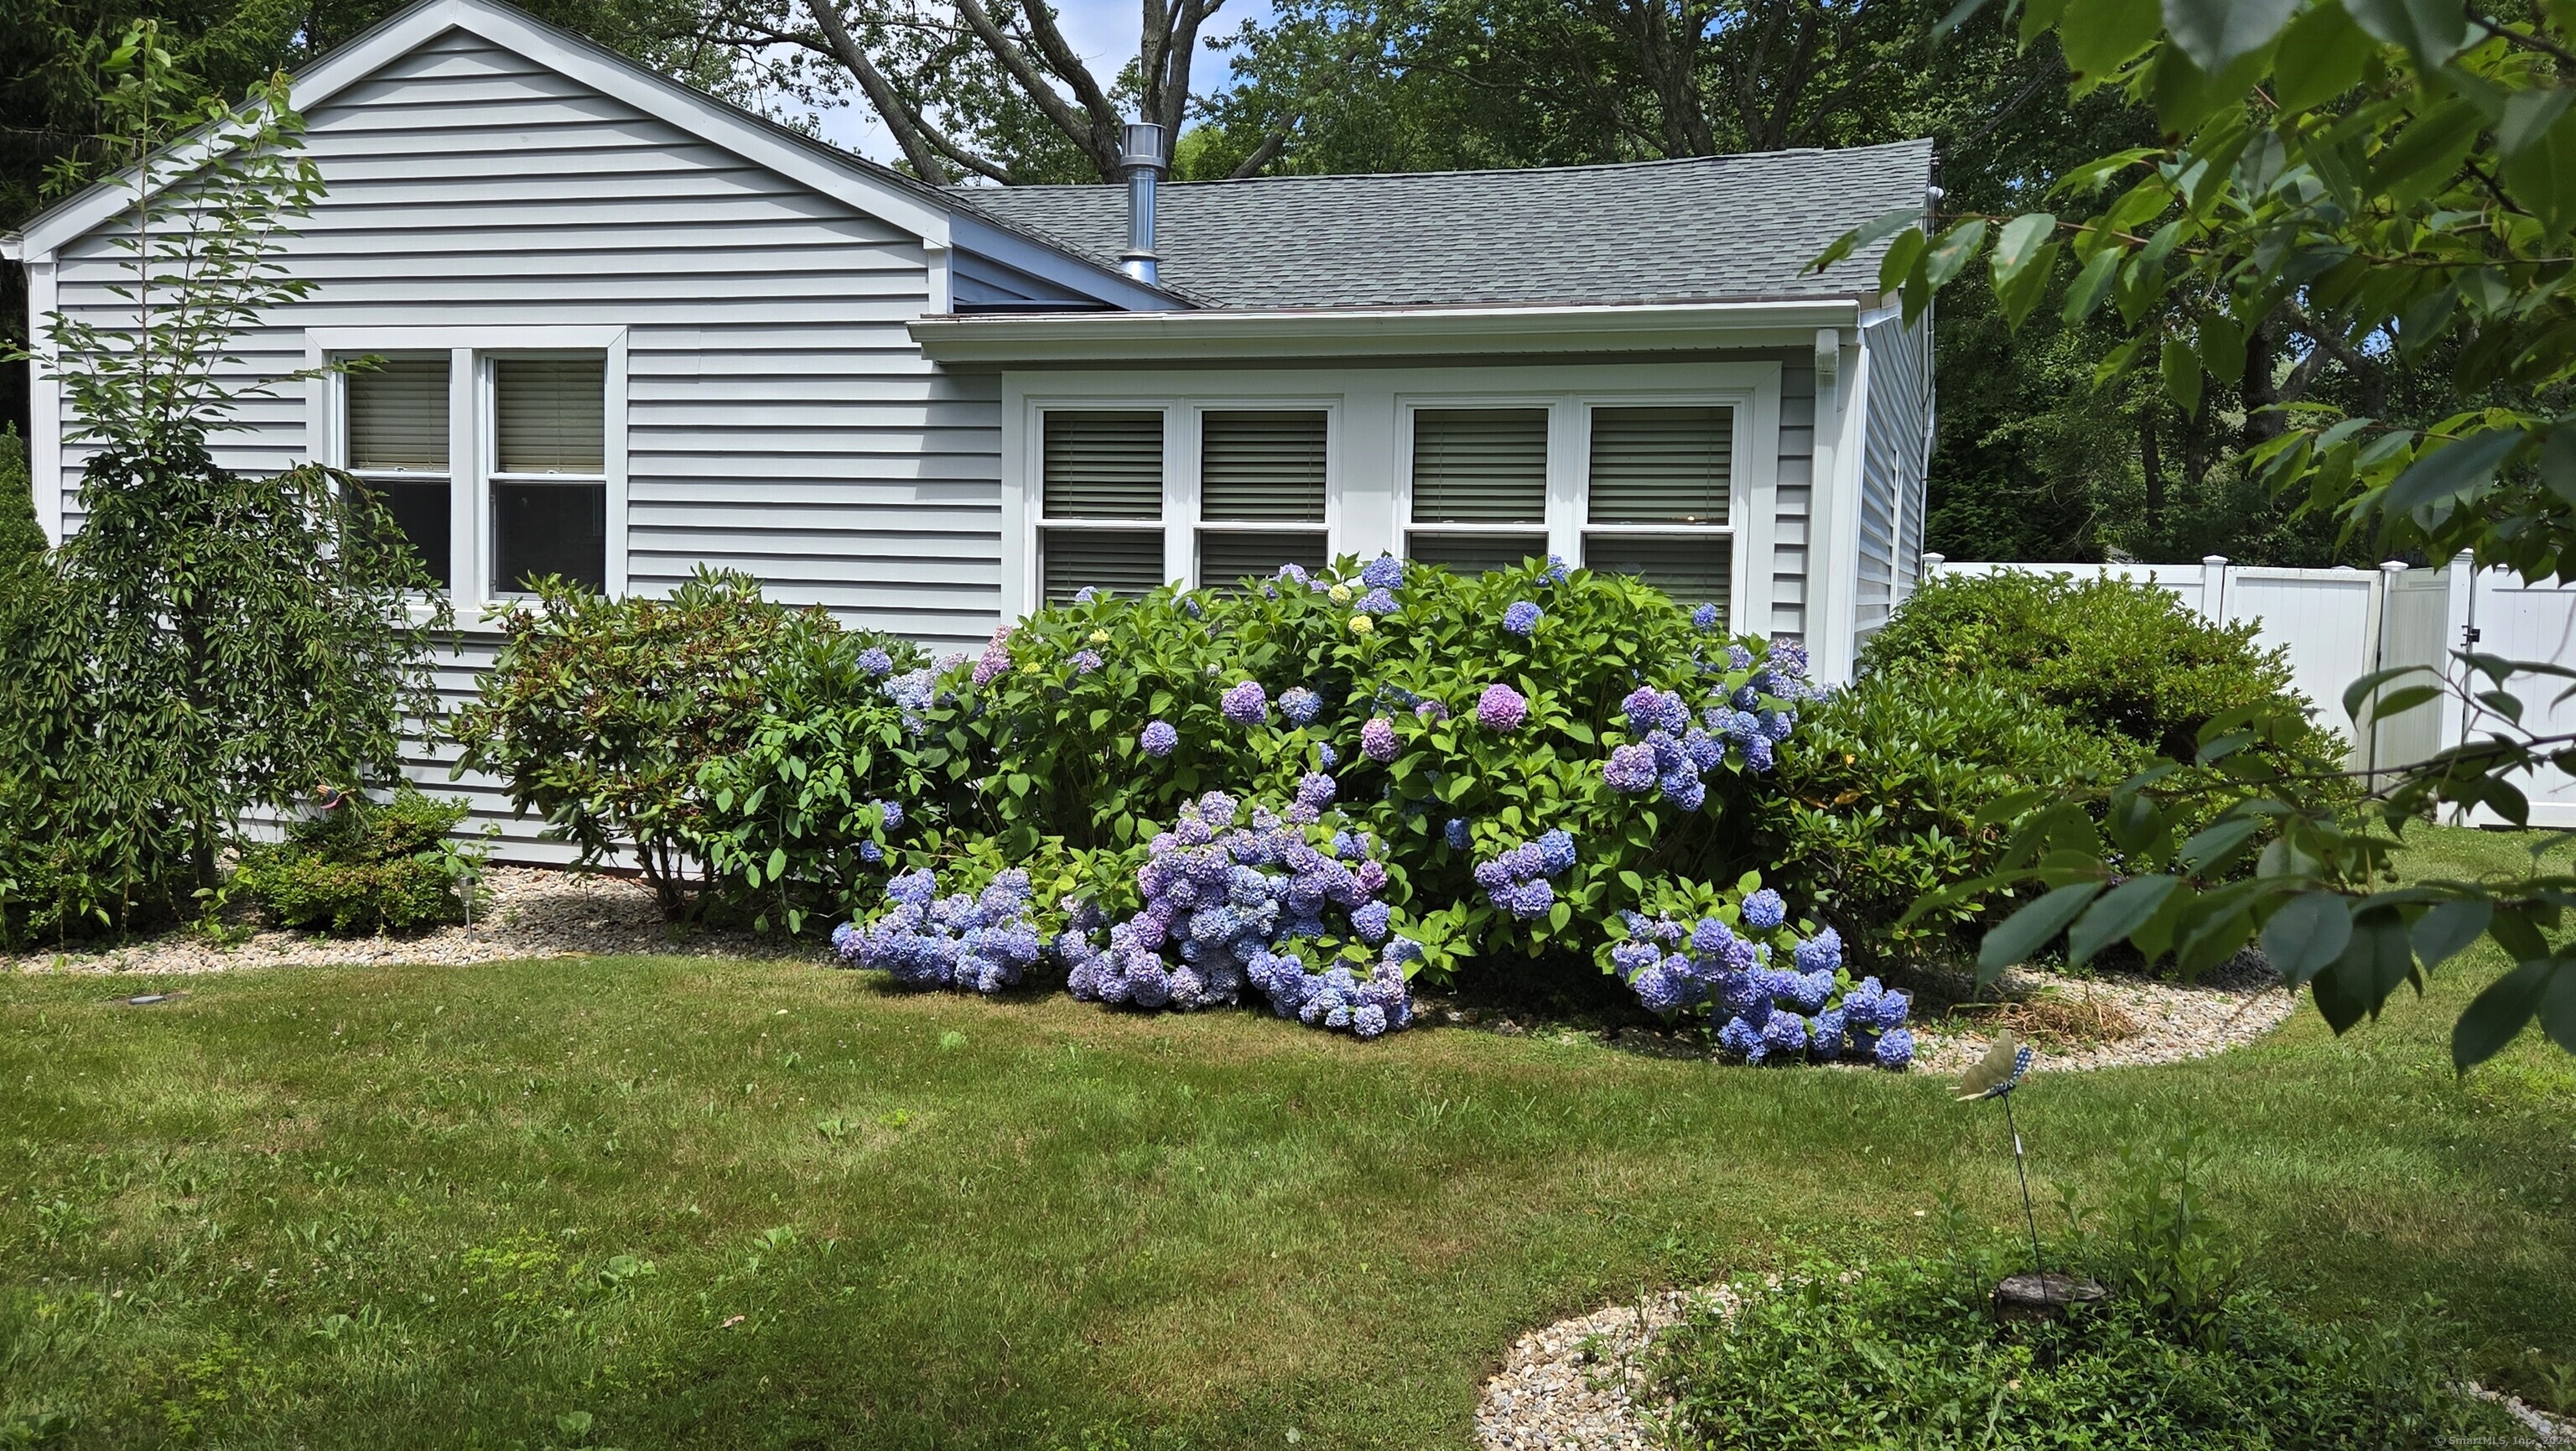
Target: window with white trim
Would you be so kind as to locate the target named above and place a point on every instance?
(1479, 487)
(1650, 494)
(397, 445)
(1656, 492)
(1100, 501)
(1263, 476)
(549, 469)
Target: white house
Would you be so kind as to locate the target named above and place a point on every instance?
(628, 329)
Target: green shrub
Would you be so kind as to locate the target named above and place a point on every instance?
(606, 716)
(20, 534)
(2185, 1353)
(365, 867)
(2112, 655)
(1880, 791)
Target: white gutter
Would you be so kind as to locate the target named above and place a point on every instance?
(1224, 333)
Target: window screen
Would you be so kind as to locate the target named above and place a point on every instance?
(1229, 555)
(550, 415)
(1693, 570)
(398, 416)
(1475, 553)
(540, 529)
(1480, 466)
(1126, 561)
(1102, 466)
(1262, 466)
(1660, 465)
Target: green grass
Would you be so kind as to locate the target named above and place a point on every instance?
(758, 1204)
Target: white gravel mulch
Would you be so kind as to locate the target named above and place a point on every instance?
(2127, 1020)
(531, 912)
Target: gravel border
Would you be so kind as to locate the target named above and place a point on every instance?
(531, 912)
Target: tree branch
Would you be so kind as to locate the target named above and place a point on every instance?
(899, 119)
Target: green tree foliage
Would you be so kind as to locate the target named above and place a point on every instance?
(2393, 183)
(21, 537)
(204, 643)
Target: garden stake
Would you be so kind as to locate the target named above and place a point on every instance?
(1996, 1076)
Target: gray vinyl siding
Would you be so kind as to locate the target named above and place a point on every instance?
(1895, 453)
(1793, 508)
(779, 418)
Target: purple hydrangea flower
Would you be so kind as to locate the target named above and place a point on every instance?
(875, 662)
(1384, 572)
(1295, 573)
(1247, 704)
(1764, 910)
(1085, 661)
(1521, 618)
(1300, 705)
(891, 811)
(1326, 755)
(1758, 756)
(1556, 571)
(1316, 789)
(1159, 738)
(996, 657)
(1377, 740)
(1684, 790)
(1738, 658)
(1428, 711)
(1630, 769)
(1378, 602)
(871, 853)
(1704, 618)
(1501, 708)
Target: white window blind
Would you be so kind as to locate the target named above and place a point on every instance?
(1100, 465)
(1262, 466)
(1229, 555)
(549, 415)
(1474, 553)
(1480, 466)
(398, 416)
(1661, 465)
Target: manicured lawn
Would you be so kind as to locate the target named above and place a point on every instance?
(756, 1204)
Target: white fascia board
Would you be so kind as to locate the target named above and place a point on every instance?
(1217, 334)
(703, 116)
(1017, 250)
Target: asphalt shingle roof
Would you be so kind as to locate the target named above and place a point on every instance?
(1698, 229)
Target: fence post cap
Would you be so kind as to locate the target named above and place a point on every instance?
(2395, 566)
(2213, 559)
(1932, 560)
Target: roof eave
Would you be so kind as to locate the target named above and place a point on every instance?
(1247, 333)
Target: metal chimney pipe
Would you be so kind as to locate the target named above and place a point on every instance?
(1142, 160)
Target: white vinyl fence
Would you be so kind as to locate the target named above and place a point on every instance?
(2338, 625)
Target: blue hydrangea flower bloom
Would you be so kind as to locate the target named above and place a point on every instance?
(1085, 661)
(1455, 833)
(1521, 618)
(1326, 756)
(1377, 740)
(1895, 1049)
(891, 811)
(1384, 572)
(1825, 1035)
(1824, 951)
(1757, 754)
(1556, 850)
(1711, 936)
(1785, 1034)
(1368, 922)
(1378, 602)
(1316, 789)
(1300, 705)
(1743, 1040)
(1684, 790)
(871, 853)
(1630, 769)
(1704, 618)
(875, 662)
(1556, 572)
(1247, 704)
(1159, 738)
(1764, 910)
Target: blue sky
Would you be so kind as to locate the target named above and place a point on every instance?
(1103, 31)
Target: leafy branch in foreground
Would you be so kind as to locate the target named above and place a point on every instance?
(2370, 180)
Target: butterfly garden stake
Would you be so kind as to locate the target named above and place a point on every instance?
(1996, 1076)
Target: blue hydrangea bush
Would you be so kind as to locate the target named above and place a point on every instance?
(1236, 903)
(1768, 991)
(980, 941)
